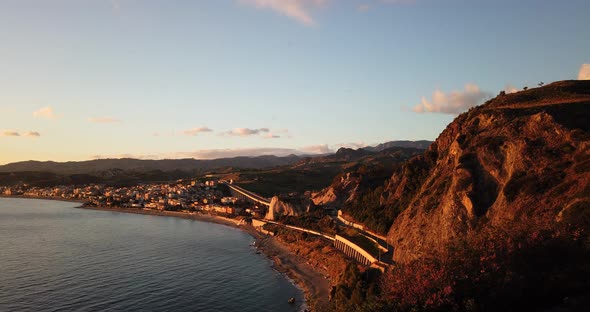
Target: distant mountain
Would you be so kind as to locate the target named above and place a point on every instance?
(274, 175)
(422, 144)
(317, 172)
(128, 164)
(190, 164)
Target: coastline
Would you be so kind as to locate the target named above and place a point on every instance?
(315, 287)
(68, 200)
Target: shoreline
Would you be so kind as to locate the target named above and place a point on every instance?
(316, 289)
(67, 200)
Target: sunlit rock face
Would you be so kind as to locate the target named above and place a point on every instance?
(522, 157)
(342, 190)
(288, 206)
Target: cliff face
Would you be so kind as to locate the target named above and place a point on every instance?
(519, 157)
(288, 207)
(362, 174)
(343, 189)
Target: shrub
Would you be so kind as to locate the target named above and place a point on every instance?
(356, 290)
(527, 267)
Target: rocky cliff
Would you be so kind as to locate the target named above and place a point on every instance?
(362, 174)
(288, 206)
(521, 157)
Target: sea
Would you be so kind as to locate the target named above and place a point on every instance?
(56, 257)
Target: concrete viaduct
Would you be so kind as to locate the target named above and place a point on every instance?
(354, 251)
(244, 194)
(349, 248)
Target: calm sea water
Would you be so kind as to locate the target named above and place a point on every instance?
(54, 257)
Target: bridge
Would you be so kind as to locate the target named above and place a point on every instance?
(349, 248)
(300, 229)
(244, 194)
(376, 238)
(354, 251)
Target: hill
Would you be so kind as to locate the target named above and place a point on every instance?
(269, 175)
(494, 215)
(522, 157)
(128, 164)
(316, 173)
(422, 144)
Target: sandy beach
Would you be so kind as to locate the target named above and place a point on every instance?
(313, 283)
(315, 286)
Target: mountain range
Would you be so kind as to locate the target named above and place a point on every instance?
(192, 165)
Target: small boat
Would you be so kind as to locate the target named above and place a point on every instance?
(291, 300)
(258, 252)
(253, 243)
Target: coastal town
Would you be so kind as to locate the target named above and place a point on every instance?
(189, 196)
(197, 198)
(211, 200)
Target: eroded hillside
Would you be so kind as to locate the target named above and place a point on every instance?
(520, 157)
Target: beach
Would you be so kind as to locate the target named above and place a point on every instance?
(315, 286)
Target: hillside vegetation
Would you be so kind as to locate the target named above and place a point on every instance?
(522, 157)
(495, 215)
(316, 173)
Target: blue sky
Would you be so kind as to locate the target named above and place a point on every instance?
(83, 79)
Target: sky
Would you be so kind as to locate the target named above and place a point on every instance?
(88, 79)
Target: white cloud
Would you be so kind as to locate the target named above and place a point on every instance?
(243, 132)
(353, 145)
(510, 89)
(235, 152)
(454, 102)
(45, 112)
(326, 149)
(299, 10)
(228, 153)
(271, 136)
(364, 7)
(104, 120)
(196, 131)
(211, 153)
(132, 156)
(584, 73)
(116, 6)
(9, 133)
(32, 134)
(317, 149)
(15, 133)
(397, 1)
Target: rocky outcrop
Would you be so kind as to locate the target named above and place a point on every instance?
(288, 206)
(360, 176)
(522, 157)
(343, 189)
